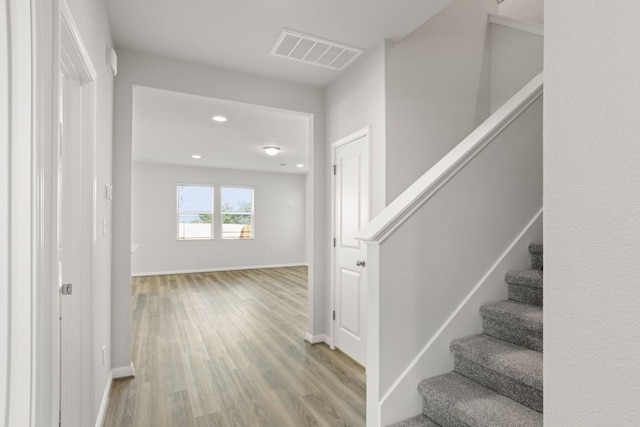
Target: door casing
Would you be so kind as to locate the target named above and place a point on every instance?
(365, 132)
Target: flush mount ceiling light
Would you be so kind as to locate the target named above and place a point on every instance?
(219, 119)
(299, 165)
(271, 150)
(196, 156)
(314, 50)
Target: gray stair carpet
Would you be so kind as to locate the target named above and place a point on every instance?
(454, 400)
(513, 322)
(497, 376)
(417, 421)
(509, 369)
(525, 286)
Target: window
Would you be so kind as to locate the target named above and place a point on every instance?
(195, 211)
(237, 212)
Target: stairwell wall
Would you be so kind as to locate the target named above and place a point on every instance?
(592, 213)
(516, 58)
(437, 90)
(526, 10)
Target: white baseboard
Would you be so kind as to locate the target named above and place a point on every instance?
(315, 339)
(105, 401)
(209, 270)
(123, 372)
(402, 400)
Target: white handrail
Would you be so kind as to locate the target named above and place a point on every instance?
(428, 184)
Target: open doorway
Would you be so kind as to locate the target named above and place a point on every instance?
(206, 195)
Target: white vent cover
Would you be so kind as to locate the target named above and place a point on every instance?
(314, 50)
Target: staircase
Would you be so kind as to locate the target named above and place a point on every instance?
(497, 375)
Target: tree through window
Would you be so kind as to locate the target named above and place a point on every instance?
(237, 212)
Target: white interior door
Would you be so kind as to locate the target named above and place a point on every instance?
(351, 204)
(75, 229)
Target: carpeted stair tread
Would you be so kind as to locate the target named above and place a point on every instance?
(514, 322)
(532, 278)
(511, 370)
(417, 421)
(453, 400)
(525, 286)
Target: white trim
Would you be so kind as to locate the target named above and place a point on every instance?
(489, 287)
(316, 339)
(364, 132)
(516, 24)
(210, 270)
(104, 405)
(123, 372)
(5, 116)
(47, 384)
(21, 286)
(428, 184)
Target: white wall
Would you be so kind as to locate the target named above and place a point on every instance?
(437, 91)
(355, 100)
(516, 58)
(279, 222)
(525, 10)
(136, 68)
(592, 213)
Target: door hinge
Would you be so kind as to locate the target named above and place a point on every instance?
(66, 289)
(334, 242)
(334, 169)
(334, 315)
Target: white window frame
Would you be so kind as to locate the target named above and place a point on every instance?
(251, 214)
(179, 212)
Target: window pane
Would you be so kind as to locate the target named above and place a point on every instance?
(195, 212)
(237, 212)
(236, 199)
(193, 198)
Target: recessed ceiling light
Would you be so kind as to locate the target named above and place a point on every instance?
(197, 156)
(219, 119)
(271, 150)
(299, 165)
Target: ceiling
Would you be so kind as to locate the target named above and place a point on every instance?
(170, 127)
(239, 35)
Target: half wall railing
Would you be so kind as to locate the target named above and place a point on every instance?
(440, 248)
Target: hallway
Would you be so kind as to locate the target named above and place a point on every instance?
(227, 348)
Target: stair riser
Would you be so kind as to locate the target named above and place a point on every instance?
(526, 294)
(524, 394)
(513, 333)
(438, 414)
(536, 261)
(417, 421)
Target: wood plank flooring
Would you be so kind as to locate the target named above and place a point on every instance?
(227, 349)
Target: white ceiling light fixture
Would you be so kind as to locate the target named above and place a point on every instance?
(299, 165)
(196, 156)
(271, 150)
(314, 50)
(219, 119)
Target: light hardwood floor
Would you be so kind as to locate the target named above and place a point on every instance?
(227, 349)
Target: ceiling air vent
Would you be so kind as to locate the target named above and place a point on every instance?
(313, 50)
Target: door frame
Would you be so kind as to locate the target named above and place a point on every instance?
(74, 60)
(364, 132)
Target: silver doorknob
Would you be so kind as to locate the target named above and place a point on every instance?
(360, 263)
